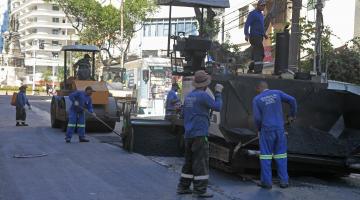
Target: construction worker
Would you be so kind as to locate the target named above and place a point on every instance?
(21, 101)
(83, 68)
(196, 110)
(255, 21)
(81, 100)
(172, 101)
(268, 117)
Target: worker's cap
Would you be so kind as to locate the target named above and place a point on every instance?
(201, 79)
(86, 56)
(262, 2)
(175, 85)
(89, 88)
(23, 87)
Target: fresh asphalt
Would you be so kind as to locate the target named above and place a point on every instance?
(98, 170)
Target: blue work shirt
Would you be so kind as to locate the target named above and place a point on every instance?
(21, 100)
(255, 21)
(197, 106)
(267, 109)
(171, 100)
(83, 99)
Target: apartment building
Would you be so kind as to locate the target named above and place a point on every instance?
(151, 39)
(4, 21)
(44, 23)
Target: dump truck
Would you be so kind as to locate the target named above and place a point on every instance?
(325, 138)
(104, 105)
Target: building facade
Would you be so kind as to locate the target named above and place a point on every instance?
(43, 29)
(4, 21)
(151, 39)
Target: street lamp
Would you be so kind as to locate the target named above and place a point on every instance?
(34, 65)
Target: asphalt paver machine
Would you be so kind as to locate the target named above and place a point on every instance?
(104, 105)
(325, 138)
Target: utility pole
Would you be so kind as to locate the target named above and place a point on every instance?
(294, 50)
(319, 28)
(34, 65)
(122, 8)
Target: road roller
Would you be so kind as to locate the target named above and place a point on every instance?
(104, 104)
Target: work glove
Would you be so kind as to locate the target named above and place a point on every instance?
(76, 103)
(219, 88)
(93, 114)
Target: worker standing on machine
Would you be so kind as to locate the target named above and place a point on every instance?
(196, 109)
(172, 100)
(268, 117)
(255, 21)
(80, 100)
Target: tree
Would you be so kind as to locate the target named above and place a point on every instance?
(100, 25)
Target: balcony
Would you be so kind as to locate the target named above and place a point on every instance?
(28, 3)
(36, 36)
(35, 13)
(45, 25)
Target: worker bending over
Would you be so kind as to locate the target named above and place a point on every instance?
(196, 109)
(80, 100)
(172, 101)
(268, 117)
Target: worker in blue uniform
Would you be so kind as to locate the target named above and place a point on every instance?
(255, 22)
(21, 101)
(196, 111)
(80, 100)
(268, 117)
(172, 101)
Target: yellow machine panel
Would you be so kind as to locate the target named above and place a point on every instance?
(101, 94)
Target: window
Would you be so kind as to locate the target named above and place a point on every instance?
(55, 54)
(55, 31)
(55, 20)
(63, 32)
(160, 27)
(55, 8)
(55, 43)
(34, 30)
(243, 12)
(64, 21)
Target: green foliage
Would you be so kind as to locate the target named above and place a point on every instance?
(100, 25)
(344, 63)
(307, 43)
(46, 75)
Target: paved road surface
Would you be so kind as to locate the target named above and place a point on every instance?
(101, 171)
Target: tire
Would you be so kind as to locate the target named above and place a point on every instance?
(55, 123)
(64, 126)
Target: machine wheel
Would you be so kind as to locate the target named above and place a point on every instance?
(55, 123)
(64, 126)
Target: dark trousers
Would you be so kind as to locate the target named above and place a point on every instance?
(20, 114)
(257, 54)
(196, 166)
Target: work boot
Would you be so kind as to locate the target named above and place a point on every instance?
(18, 124)
(265, 186)
(284, 185)
(184, 191)
(203, 195)
(83, 140)
(67, 140)
(23, 124)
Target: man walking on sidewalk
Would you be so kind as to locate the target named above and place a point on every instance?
(196, 109)
(80, 100)
(268, 117)
(21, 101)
(255, 21)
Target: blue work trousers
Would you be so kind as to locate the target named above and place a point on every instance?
(76, 119)
(273, 144)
